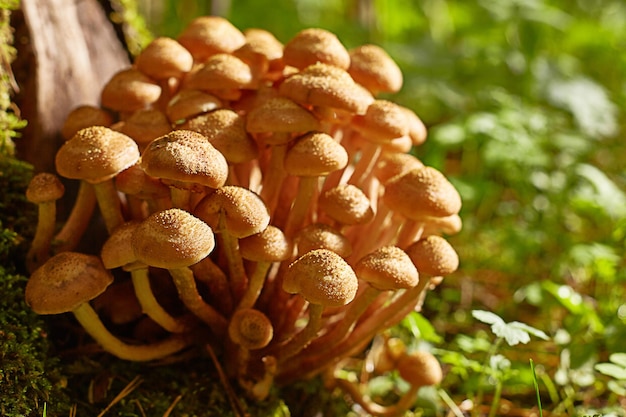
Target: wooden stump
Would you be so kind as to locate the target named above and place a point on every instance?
(67, 50)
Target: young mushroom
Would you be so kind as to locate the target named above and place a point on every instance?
(67, 282)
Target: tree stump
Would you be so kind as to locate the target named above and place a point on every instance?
(67, 51)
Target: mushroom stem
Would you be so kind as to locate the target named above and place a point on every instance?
(180, 198)
(150, 305)
(301, 204)
(186, 286)
(109, 203)
(90, 321)
(71, 232)
(355, 391)
(39, 250)
(207, 272)
(255, 285)
(274, 176)
(410, 232)
(365, 164)
(303, 337)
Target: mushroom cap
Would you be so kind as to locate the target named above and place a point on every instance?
(315, 154)
(44, 187)
(403, 144)
(262, 52)
(322, 277)
(326, 86)
(434, 256)
(188, 103)
(185, 159)
(96, 154)
(372, 67)
(117, 250)
(346, 204)
(382, 122)
(164, 58)
(219, 72)
(313, 45)
(82, 117)
(250, 329)
(242, 211)
(422, 192)
(66, 281)
(129, 90)
(420, 368)
(171, 239)
(323, 236)
(226, 130)
(134, 181)
(448, 225)
(145, 125)
(390, 165)
(209, 35)
(387, 268)
(417, 129)
(269, 245)
(280, 115)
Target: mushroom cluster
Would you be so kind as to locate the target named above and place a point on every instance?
(257, 197)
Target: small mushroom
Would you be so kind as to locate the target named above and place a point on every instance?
(129, 90)
(313, 45)
(346, 204)
(373, 68)
(84, 116)
(189, 103)
(210, 35)
(222, 75)
(67, 282)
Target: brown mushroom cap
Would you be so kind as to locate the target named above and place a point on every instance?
(129, 90)
(134, 181)
(209, 35)
(387, 268)
(422, 192)
(280, 115)
(82, 117)
(313, 45)
(346, 204)
(188, 103)
(164, 58)
(270, 245)
(262, 52)
(434, 256)
(322, 277)
(95, 154)
(420, 368)
(390, 165)
(250, 329)
(117, 250)
(44, 187)
(145, 125)
(448, 225)
(315, 154)
(326, 86)
(226, 131)
(242, 211)
(219, 72)
(171, 239)
(372, 67)
(66, 281)
(323, 236)
(382, 122)
(185, 159)
(417, 129)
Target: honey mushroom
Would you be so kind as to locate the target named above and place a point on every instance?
(263, 53)
(222, 75)
(67, 282)
(44, 189)
(189, 103)
(209, 35)
(96, 155)
(373, 68)
(129, 90)
(313, 45)
(174, 240)
(187, 162)
(84, 116)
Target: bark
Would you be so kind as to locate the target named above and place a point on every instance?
(67, 50)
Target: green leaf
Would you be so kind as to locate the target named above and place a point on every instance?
(513, 333)
(618, 359)
(421, 328)
(612, 370)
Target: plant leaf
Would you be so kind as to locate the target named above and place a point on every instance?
(618, 359)
(612, 370)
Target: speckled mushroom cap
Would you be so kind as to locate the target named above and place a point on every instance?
(315, 154)
(219, 72)
(326, 86)
(448, 225)
(164, 58)
(323, 236)
(417, 129)
(280, 115)
(387, 268)
(188, 103)
(270, 245)
(313, 45)
(372, 67)
(82, 117)
(262, 52)
(185, 159)
(129, 90)
(171, 239)
(420, 368)
(422, 192)
(145, 125)
(244, 213)
(434, 256)
(226, 130)
(66, 281)
(209, 35)
(390, 165)
(134, 181)
(347, 204)
(117, 250)
(96, 154)
(250, 329)
(382, 122)
(44, 187)
(322, 277)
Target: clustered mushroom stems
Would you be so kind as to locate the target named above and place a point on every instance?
(254, 191)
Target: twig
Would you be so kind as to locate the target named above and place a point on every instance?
(123, 393)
